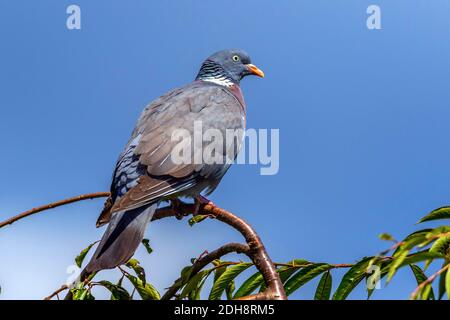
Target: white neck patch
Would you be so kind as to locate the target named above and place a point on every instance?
(219, 80)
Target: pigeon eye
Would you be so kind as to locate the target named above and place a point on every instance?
(236, 58)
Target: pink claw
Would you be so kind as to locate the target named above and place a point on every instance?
(201, 201)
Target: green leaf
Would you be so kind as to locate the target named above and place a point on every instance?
(304, 275)
(146, 291)
(323, 290)
(421, 277)
(185, 274)
(79, 259)
(351, 279)
(421, 256)
(119, 283)
(219, 270)
(297, 263)
(418, 273)
(229, 290)
(425, 292)
(229, 275)
(82, 294)
(396, 263)
(386, 237)
(136, 267)
(438, 232)
(117, 291)
(197, 219)
(146, 244)
(410, 259)
(441, 245)
(438, 214)
(249, 285)
(286, 272)
(193, 283)
(416, 238)
(442, 281)
(195, 294)
(371, 274)
(447, 283)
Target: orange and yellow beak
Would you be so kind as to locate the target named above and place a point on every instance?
(255, 70)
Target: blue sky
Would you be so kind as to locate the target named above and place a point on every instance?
(363, 118)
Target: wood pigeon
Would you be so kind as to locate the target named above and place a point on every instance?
(146, 174)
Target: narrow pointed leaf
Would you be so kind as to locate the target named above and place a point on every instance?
(219, 269)
(229, 275)
(304, 275)
(193, 283)
(421, 256)
(146, 244)
(195, 294)
(386, 237)
(229, 290)
(323, 290)
(447, 284)
(136, 267)
(117, 291)
(441, 245)
(425, 294)
(396, 263)
(438, 214)
(421, 277)
(185, 274)
(146, 291)
(197, 219)
(79, 259)
(286, 272)
(83, 294)
(249, 285)
(442, 281)
(416, 238)
(412, 259)
(351, 279)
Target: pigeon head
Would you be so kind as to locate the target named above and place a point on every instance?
(228, 67)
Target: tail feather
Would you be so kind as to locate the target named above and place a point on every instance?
(119, 242)
(121, 239)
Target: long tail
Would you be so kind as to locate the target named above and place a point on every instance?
(120, 240)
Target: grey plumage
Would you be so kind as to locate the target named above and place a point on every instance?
(146, 174)
(125, 230)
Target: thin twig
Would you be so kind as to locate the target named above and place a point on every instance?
(53, 205)
(393, 247)
(256, 252)
(335, 266)
(203, 261)
(64, 287)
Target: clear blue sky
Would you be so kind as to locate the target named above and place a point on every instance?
(363, 118)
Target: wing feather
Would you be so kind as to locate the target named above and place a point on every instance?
(145, 172)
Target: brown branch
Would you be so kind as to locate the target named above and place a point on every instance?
(257, 253)
(53, 205)
(293, 265)
(167, 212)
(256, 250)
(63, 287)
(203, 261)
